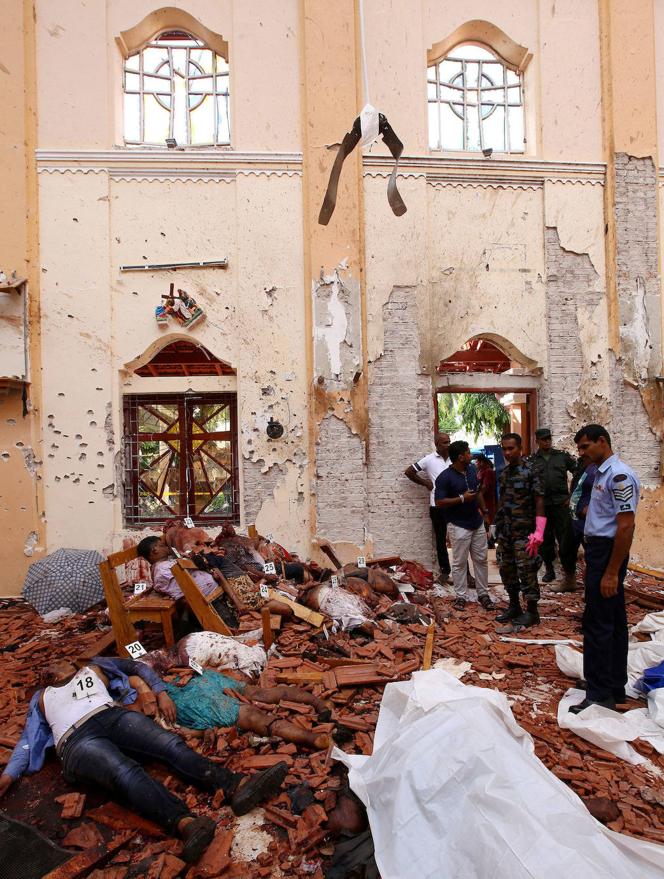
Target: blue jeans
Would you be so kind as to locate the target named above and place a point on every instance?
(105, 750)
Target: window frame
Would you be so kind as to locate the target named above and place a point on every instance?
(438, 102)
(185, 436)
(169, 91)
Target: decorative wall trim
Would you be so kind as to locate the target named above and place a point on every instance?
(504, 172)
(157, 164)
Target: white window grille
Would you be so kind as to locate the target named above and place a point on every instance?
(176, 87)
(475, 102)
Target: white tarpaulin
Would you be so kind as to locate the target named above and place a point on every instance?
(454, 789)
(612, 730)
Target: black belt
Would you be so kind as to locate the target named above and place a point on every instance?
(589, 538)
(64, 738)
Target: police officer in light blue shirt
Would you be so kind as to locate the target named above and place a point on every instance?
(608, 534)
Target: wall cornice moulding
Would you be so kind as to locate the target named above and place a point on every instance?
(516, 172)
(146, 164)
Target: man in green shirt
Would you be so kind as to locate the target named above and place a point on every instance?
(552, 466)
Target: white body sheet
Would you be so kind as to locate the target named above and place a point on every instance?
(454, 789)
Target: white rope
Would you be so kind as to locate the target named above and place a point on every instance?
(363, 51)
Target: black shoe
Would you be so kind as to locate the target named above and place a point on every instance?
(550, 574)
(260, 787)
(485, 601)
(605, 703)
(529, 617)
(510, 613)
(197, 836)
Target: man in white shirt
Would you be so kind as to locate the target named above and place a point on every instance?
(425, 472)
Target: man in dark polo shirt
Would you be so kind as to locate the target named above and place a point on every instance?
(457, 493)
(552, 466)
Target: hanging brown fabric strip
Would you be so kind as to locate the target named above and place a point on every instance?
(346, 147)
(395, 146)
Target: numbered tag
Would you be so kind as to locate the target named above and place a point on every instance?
(361, 561)
(140, 587)
(269, 568)
(188, 522)
(196, 667)
(135, 649)
(265, 592)
(85, 686)
(334, 580)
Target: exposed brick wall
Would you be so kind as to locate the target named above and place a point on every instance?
(400, 432)
(637, 263)
(637, 280)
(258, 486)
(341, 488)
(571, 280)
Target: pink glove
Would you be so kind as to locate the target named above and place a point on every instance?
(536, 539)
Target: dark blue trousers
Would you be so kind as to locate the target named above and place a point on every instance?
(106, 751)
(604, 626)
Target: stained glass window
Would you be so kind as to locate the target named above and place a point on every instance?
(176, 87)
(181, 458)
(475, 102)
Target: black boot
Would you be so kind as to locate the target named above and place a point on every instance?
(550, 574)
(529, 617)
(511, 612)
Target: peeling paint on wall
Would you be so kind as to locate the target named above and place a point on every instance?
(30, 543)
(337, 335)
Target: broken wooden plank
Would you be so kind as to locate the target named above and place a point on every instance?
(299, 610)
(428, 647)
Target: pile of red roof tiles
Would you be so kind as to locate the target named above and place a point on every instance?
(351, 673)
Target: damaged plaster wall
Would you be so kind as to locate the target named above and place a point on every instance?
(106, 318)
(480, 283)
(337, 327)
(400, 432)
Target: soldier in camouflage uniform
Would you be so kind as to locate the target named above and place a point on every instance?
(553, 465)
(521, 501)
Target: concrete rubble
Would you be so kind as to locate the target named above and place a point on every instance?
(296, 833)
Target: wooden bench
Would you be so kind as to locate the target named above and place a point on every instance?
(200, 604)
(124, 612)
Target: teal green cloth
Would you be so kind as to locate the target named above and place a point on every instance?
(202, 703)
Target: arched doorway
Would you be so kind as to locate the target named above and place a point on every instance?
(486, 388)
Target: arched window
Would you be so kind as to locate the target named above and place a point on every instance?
(177, 88)
(475, 102)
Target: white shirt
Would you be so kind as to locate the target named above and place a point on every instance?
(64, 706)
(432, 466)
